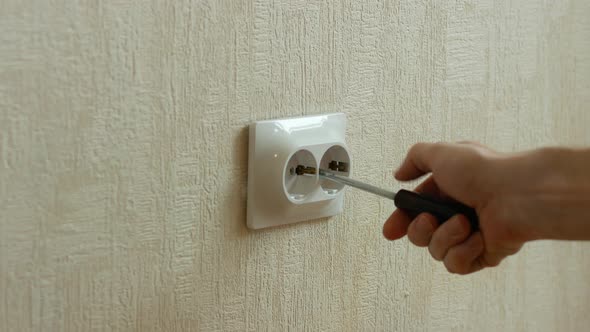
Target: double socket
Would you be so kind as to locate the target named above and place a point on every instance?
(276, 194)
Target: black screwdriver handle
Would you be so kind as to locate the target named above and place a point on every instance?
(415, 203)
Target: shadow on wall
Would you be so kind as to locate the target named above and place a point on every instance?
(234, 202)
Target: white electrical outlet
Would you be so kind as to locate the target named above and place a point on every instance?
(276, 194)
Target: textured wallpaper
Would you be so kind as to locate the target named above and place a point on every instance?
(123, 160)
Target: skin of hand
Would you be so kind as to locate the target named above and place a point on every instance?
(518, 197)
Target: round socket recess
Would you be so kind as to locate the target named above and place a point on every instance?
(297, 187)
(337, 160)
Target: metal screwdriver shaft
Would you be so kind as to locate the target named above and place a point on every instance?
(413, 203)
(357, 184)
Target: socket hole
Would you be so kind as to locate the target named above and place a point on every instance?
(297, 187)
(335, 159)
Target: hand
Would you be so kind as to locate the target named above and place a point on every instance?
(518, 198)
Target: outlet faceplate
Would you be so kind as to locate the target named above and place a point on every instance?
(278, 196)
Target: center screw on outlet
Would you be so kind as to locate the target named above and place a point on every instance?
(302, 170)
(339, 166)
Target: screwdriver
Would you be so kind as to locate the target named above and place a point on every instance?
(411, 202)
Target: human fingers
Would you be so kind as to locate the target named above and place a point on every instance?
(396, 226)
(421, 229)
(463, 258)
(494, 256)
(452, 232)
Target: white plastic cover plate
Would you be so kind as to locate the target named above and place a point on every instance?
(278, 196)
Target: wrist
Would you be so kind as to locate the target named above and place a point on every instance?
(555, 193)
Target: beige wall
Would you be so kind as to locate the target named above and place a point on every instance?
(123, 156)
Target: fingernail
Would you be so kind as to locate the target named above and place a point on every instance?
(458, 227)
(423, 225)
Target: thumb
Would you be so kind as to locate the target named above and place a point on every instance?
(419, 161)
